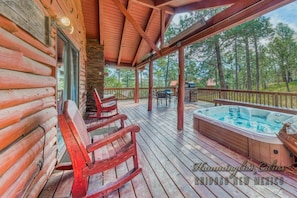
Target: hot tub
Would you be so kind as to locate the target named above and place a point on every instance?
(248, 131)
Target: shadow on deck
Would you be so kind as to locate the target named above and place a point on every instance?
(167, 157)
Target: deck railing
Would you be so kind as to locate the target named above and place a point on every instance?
(276, 99)
(128, 93)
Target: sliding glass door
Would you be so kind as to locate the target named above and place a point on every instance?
(68, 69)
(67, 77)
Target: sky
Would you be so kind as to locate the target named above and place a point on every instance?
(286, 14)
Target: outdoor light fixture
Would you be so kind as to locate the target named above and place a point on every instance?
(64, 23)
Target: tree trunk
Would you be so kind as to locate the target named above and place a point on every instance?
(119, 76)
(166, 74)
(236, 65)
(257, 64)
(287, 81)
(248, 65)
(219, 64)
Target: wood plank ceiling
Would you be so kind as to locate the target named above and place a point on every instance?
(132, 31)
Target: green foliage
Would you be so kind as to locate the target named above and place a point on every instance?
(119, 78)
(254, 44)
(281, 87)
(253, 55)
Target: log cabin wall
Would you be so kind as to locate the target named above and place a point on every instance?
(28, 114)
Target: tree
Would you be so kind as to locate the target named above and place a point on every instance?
(112, 79)
(283, 50)
(260, 28)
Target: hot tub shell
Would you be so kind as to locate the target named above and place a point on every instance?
(255, 146)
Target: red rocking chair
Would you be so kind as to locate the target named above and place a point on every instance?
(81, 152)
(104, 106)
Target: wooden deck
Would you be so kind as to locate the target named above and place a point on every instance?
(167, 157)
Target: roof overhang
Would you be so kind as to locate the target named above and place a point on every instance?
(132, 31)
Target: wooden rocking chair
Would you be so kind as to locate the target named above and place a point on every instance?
(81, 152)
(105, 105)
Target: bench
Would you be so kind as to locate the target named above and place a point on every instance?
(253, 105)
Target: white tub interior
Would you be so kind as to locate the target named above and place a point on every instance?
(248, 124)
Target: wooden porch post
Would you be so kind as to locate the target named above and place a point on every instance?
(136, 89)
(150, 99)
(181, 89)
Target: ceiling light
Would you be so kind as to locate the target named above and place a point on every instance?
(64, 23)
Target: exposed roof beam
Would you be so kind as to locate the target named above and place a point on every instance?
(142, 40)
(136, 26)
(167, 23)
(114, 64)
(100, 5)
(239, 13)
(160, 3)
(123, 36)
(162, 26)
(203, 5)
(168, 10)
(148, 3)
(151, 4)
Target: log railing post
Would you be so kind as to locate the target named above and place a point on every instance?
(181, 89)
(136, 89)
(150, 96)
(276, 100)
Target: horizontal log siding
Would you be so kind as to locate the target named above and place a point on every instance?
(28, 115)
(73, 10)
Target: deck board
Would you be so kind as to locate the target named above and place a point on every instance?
(167, 156)
(173, 152)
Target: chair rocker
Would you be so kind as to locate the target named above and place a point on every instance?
(104, 106)
(81, 152)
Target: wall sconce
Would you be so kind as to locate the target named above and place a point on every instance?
(64, 23)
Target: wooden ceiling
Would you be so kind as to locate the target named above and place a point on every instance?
(132, 31)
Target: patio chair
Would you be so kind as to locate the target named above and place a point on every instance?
(82, 153)
(162, 95)
(105, 106)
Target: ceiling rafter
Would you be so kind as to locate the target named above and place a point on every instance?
(162, 27)
(149, 22)
(123, 36)
(167, 23)
(136, 26)
(148, 3)
(101, 39)
(204, 5)
(151, 4)
(168, 10)
(114, 64)
(160, 3)
(239, 13)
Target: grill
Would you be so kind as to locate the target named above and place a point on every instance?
(190, 85)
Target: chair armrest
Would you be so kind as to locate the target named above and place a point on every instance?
(108, 104)
(121, 117)
(112, 137)
(109, 99)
